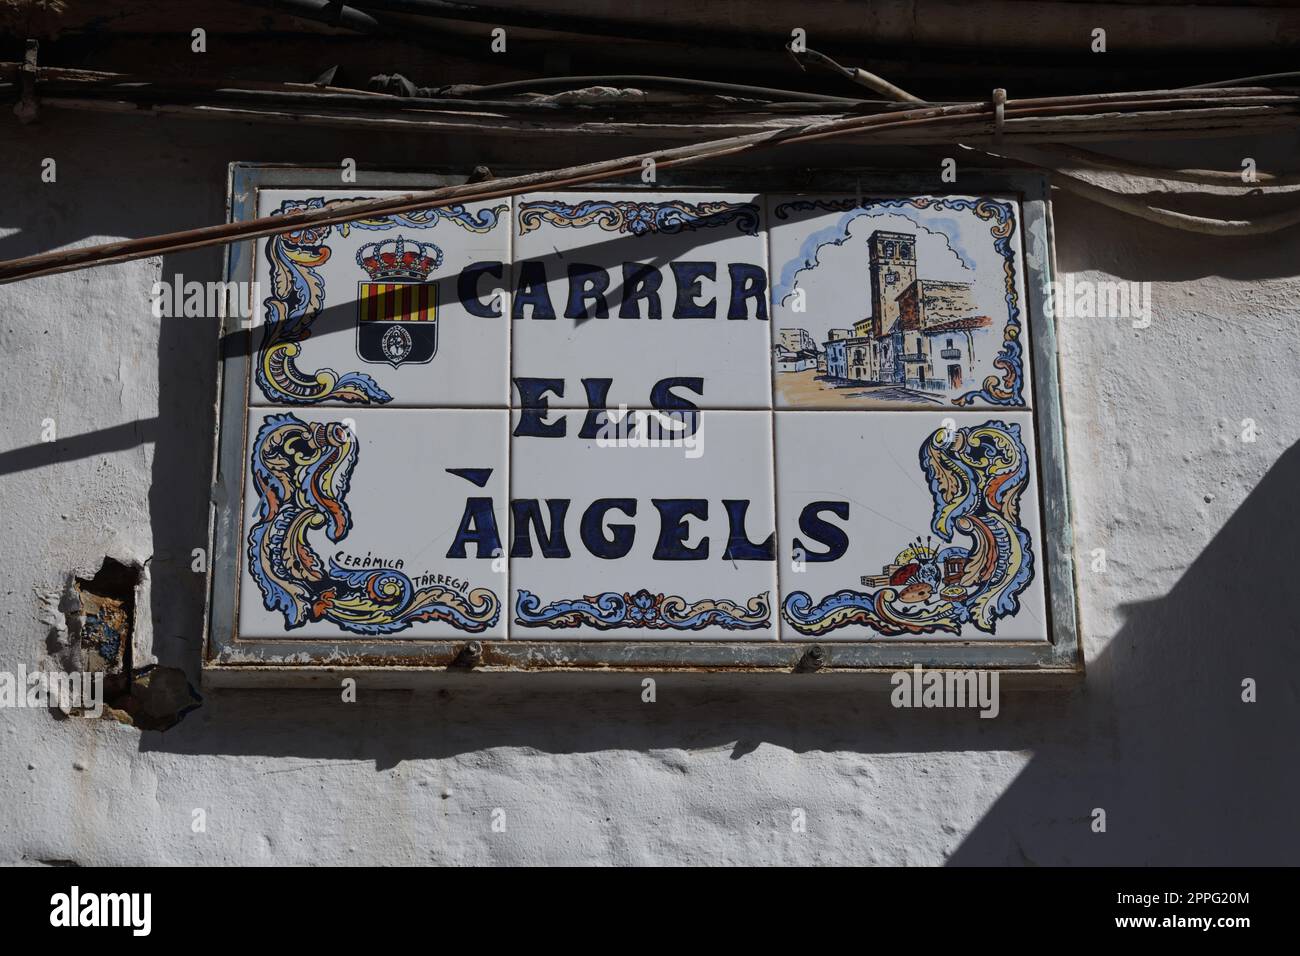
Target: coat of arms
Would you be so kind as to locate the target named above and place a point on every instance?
(397, 311)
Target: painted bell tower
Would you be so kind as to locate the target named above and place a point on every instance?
(893, 269)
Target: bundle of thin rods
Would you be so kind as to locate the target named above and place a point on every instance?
(1191, 111)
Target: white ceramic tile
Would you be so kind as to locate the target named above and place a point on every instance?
(909, 525)
(697, 261)
(355, 525)
(686, 565)
(335, 283)
(907, 302)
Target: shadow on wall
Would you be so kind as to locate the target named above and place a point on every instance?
(1186, 772)
(1159, 737)
(188, 350)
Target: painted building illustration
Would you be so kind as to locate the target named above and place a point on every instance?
(837, 362)
(920, 333)
(796, 351)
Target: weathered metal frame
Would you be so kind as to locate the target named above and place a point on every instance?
(230, 660)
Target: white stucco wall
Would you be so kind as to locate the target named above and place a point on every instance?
(1199, 529)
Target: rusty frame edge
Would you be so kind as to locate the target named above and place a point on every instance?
(566, 679)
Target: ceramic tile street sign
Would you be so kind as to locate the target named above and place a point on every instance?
(387, 311)
(651, 525)
(643, 296)
(919, 524)
(898, 302)
(354, 523)
(676, 427)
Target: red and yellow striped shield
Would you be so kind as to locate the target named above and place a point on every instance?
(397, 322)
(398, 302)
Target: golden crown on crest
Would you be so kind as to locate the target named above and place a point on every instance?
(399, 258)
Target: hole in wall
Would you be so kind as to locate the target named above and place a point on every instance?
(101, 626)
(108, 617)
